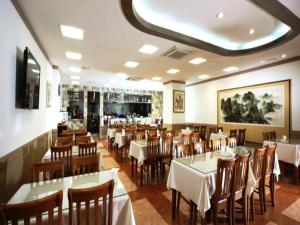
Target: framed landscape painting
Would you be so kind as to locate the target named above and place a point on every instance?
(257, 108)
(178, 101)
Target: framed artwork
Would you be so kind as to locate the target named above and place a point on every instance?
(178, 101)
(48, 94)
(258, 108)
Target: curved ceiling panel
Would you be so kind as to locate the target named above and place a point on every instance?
(196, 23)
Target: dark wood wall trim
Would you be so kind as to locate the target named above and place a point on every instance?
(274, 8)
(174, 81)
(15, 167)
(296, 58)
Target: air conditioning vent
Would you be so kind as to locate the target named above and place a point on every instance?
(176, 53)
(134, 78)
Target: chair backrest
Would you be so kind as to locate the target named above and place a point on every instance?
(67, 132)
(139, 135)
(196, 129)
(50, 170)
(83, 139)
(80, 132)
(272, 135)
(266, 135)
(186, 139)
(61, 141)
(152, 132)
(153, 146)
(225, 179)
(258, 165)
(241, 172)
(220, 128)
(270, 159)
(203, 132)
(87, 149)
(85, 164)
(212, 130)
(64, 153)
(199, 147)
(184, 150)
(12, 213)
(166, 147)
(215, 144)
(231, 142)
(233, 133)
(162, 131)
(195, 137)
(241, 137)
(129, 136)
(91, 196)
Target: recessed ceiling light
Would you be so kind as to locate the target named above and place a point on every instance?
(203, 76)
(173, 71)
(197, 61)
(71, 32)
(252, 31)
(75, 69)
(131, 64)
(31, 61)
(75, 82)
(148, 49)
(220, 15)
(75, 77)
(73, 55)
(35, 71)
(122, 75)
(230, 69)
(262, 61)
(156, 78)
(283, 55)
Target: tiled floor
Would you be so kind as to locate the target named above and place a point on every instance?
(152, 203)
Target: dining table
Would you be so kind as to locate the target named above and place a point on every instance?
(195, 178)
(122, 208)
(111, 132)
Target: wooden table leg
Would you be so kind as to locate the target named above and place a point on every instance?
(174, 196)
(296, 172)
(132, 166)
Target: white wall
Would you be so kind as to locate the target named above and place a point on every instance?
(203, 108)
(19, 126)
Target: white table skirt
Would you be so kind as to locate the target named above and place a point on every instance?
(289, 153)
(75, 152)
(120, 139)
(197, 186)
(111, 132)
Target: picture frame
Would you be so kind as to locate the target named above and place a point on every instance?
(257, 108)
(178, 101)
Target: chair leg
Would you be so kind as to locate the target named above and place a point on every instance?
(261, 201)
(252, 207)
(264, 197)
(195, 212)
(142, 174)
(191, 213)
(178, 202)
(215, 214)
(244, 208)
(272, 189)
(232, 212)
(157, 172)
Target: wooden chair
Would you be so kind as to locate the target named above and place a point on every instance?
(67, 132)
(61, 141)
(82, 139)
(162, 131)
(63, 153)
(231, 142)
(196, 129)
(258, 168)
(266, 136)
(25, 212)
(186, 139)
(269, 175)
(215, 144)
(221, 199)
(88, 149)
(166, 152)
(241, 137)
(153, 157)
(203, 132)
(199, 147)
(195, 137)
(272, 135)
(80, 132)
(183, 150)
(85, 164)
(152, 133)
(240, 184)
(91, 196)
(129, 136)
(50, 170)
(233, 133)
(139, 135)
(212, 130)
(220, 128)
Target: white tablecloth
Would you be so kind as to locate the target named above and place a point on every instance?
(289, 153)
(120, 139)
(111, 132)
(122, 209)
(214, 136)
(75, 152)
(186, 131)
(197, 186)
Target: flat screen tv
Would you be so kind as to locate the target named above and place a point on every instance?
(28, 82)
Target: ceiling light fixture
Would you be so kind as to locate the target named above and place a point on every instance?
(35, 71)
(203, 76)
(230, 69)
(75, 82)
(220, 15)
(283, 55)
(156, 78)
(197, 61)
(148, 49)
(75, 77)
(71, 32)
(73, 55)
(251, 31)
(173, 71)
(75, 69)
(131, 64)
(122, 75)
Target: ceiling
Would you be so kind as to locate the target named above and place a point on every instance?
(110, 40)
